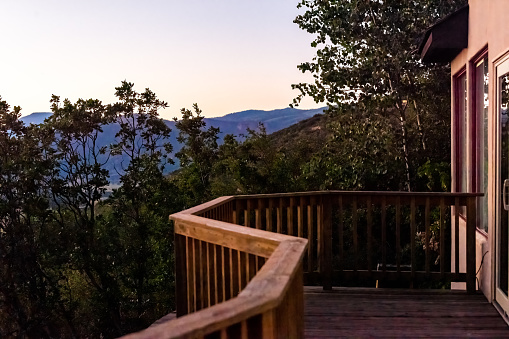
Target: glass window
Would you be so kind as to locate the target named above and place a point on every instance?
(461, 132)
(481, 101)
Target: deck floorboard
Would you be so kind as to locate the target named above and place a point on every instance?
(389, 313)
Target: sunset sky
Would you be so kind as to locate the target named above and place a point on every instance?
(226, 55)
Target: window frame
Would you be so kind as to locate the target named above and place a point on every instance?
(460, 129)
(478, 128)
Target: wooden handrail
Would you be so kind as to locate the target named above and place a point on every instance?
(270, 305)
(378, 225)
(233, 280)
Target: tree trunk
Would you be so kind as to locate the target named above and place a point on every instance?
(404, 142)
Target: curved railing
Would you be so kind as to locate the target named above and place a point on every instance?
(232, 280)
(247, 281)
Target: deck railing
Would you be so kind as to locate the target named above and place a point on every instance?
(361, 237)
(232, 281)
(246, 282)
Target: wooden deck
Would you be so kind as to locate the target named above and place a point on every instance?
(389, 313)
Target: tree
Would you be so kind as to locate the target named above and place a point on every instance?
(366, 56)
(197, 156)
(140, 208)
(361, 154)
(30, 299)
(77, 185)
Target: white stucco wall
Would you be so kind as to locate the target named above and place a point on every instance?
(488, 26)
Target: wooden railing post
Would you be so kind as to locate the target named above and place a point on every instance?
(180, 275)
(471, 257)
(326, 242)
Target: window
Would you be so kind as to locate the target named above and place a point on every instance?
(480, 152)
(460, 111)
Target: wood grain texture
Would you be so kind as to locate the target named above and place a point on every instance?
(242, 281)
(389, 313)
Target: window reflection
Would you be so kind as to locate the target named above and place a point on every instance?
(481, 139)
(504, 171)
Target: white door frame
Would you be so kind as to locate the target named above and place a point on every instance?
(501, 67)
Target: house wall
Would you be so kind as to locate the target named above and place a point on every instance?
(488, 26)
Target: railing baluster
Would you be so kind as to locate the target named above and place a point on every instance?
(290, 216)
(326, 236)
(319, 234)
(196, 291)
(247, 213)
(427, 227)
(354, 229)
(227, 274)
(384, 233)
(398, 233)
(470, 246)
(279, 224)
(457, 235)
(218, 252)
(181, 273)
(244, 269)
(340, 233)
(413, 233)
(270, 214)
(234, 274)
(204, 276)
(236, 213)
(369, 208)
(258, 214)
(311, 236)
(198, 276)
(252, 267)
(210, 276)
(300, 217)
(269, 320)
(442, 238)
(243, 330)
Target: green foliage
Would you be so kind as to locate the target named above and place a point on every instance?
(138, 211)
(254, 166)
(366, 56)
(197, 156)
(436, 176)
(361, 154)
(71, 264)
(29, 294)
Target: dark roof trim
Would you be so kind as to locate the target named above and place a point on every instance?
(444, 40)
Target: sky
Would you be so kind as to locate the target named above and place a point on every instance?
(225, 55)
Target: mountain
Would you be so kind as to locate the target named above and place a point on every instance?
(233, 123)
(35, 118)
(273, 120)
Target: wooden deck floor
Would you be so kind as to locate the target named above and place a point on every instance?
(360, 313)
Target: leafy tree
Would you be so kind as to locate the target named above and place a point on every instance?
(30, 299)
(361, 154)
(77, 186)
(140, 208)
(198, 154)
(366, 55)
(255, 165)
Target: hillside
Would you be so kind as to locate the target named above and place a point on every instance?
(312, 131)
(233, 123)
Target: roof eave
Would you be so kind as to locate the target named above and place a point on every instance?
(444, 40)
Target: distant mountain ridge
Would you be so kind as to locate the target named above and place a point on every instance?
(233, 123)
(36, 118)
(274, 120)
